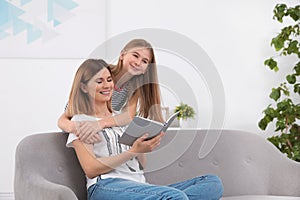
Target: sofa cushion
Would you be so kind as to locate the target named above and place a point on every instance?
(247, 163)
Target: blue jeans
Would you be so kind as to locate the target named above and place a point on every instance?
(208, 187)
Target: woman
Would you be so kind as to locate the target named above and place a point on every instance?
(136, 83)
(114, 170)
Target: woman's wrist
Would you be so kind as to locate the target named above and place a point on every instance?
(133, 152)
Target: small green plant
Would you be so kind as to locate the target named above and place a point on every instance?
(186, 111)
(286, 107)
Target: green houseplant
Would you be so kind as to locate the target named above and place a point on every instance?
(285, 109)
(185, 111)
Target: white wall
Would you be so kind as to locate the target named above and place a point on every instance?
(234, 34)
(33, 94)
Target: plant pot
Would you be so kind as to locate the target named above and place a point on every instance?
(184, 123)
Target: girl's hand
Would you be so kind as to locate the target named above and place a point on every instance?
(87, 131)
(141, 145)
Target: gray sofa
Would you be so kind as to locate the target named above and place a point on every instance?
(250, 167)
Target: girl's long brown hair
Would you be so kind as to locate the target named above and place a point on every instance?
(146, 85)
(79, 101)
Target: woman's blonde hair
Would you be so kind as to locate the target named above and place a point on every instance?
(145, 85)
(79, 101)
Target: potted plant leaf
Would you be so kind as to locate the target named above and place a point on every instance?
(185, 112)
(285, 109)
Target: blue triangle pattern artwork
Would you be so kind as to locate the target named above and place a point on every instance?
(23, 2)
(33, 33)
(12, 24)
(18, 25)
(66, 4)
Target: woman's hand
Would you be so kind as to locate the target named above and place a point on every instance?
(142, 145)
(87, 131)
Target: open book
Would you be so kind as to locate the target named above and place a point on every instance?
(139, 126)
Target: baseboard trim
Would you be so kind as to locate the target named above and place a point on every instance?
(7, 196)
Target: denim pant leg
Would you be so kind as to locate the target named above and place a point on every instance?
(122, 189)
(207, 187)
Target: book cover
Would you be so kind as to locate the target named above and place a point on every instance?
(139, 126)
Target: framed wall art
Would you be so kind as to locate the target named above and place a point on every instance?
(51, 28)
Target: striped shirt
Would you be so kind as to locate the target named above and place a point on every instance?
(120, 98)
(110, 146)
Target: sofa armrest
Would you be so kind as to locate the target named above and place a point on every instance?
(37, 187)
